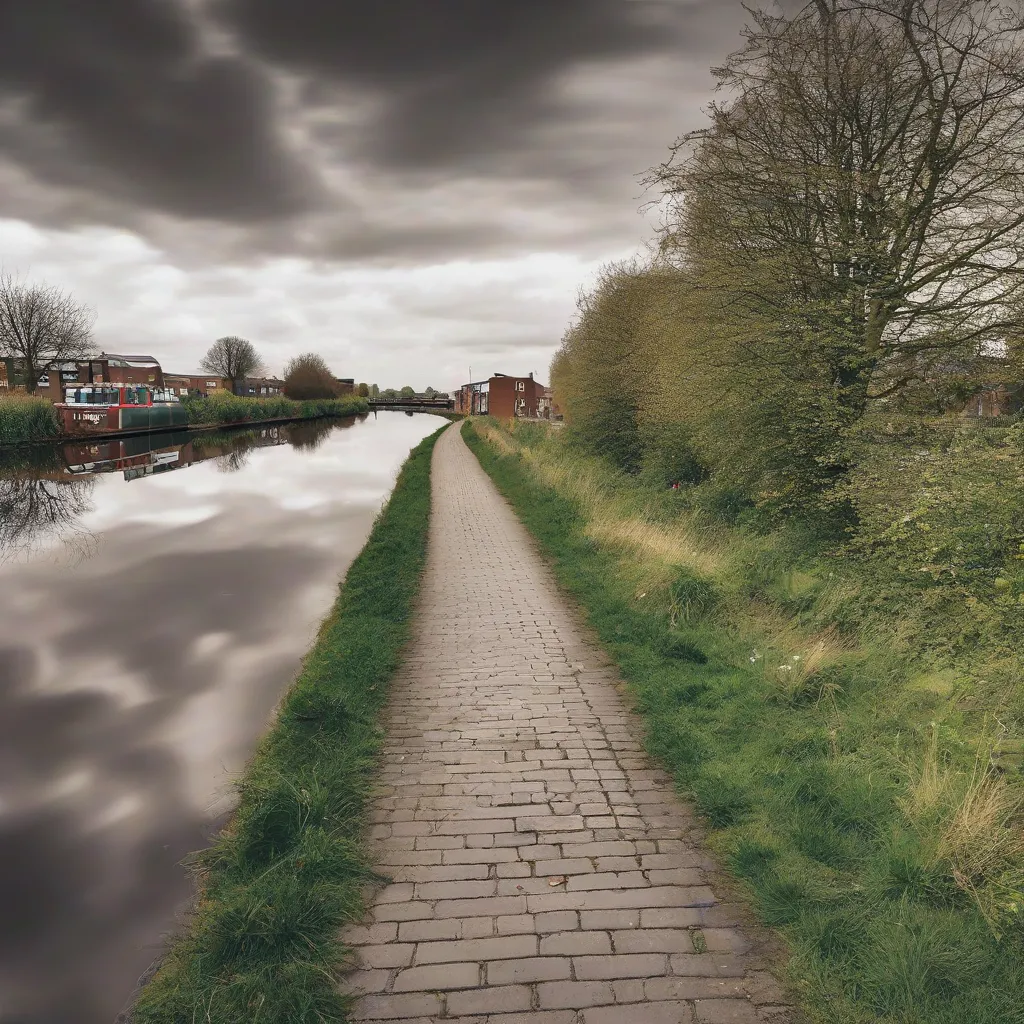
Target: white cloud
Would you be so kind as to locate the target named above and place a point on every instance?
(421, 325)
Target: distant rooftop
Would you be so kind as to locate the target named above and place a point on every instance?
(128, 360)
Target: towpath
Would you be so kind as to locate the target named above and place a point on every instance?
(544, 871)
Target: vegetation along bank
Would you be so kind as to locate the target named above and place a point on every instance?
(279, 883)
(27, 419)
(859, 776)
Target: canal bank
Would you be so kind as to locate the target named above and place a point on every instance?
(151, 616)
(28, 421)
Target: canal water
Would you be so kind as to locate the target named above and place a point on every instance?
(156, 596)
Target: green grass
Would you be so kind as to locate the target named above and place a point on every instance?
(24, 420)
(278, 885)
(871, 850)
(225, 409)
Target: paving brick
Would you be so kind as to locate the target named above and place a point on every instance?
(492, 907)
(725, 1011)
(395, 1007)
(652, 940)
(575, 944)
(621, 965)
(436, 977)
(532, 969)
(394, 954)
(518, 924)
(489, 1000)
(574, 994)
(502, 947)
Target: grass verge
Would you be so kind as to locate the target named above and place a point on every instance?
(278, 884)
(865, 828)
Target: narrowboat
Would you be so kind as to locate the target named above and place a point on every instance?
(114, 408)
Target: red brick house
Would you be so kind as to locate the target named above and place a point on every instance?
(192, 383)
(105, 368)
(502, 396)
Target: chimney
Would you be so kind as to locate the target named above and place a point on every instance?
(531, 375)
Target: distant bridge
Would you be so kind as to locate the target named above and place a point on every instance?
(414, 404)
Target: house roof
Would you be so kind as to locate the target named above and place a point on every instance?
(128, 360)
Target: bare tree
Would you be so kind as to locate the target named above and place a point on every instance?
(863, 187)
(308, 376)
(233, 358)
(41, 326)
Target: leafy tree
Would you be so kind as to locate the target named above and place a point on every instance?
(41, 327)
(389, 393)
(233, 358)
(363, 391)
(863, 190)
(429, 393)
(374, 391)
(407, 392)
(308, 376)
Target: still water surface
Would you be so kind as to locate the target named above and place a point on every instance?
(156, 596)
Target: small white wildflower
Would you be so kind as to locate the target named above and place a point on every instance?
(796, 657)
(785, 668)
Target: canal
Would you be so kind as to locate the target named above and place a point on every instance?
(156, 597)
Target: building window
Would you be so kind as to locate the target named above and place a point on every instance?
(211, 383)
(520, 385)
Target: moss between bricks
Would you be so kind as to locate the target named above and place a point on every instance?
(279, 883)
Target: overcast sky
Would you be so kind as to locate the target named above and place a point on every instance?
(410, 187)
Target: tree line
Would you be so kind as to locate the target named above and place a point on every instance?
(43, 327)
(842, 244)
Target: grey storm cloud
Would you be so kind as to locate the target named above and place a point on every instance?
(120, 97)
(177, 108)
(458, 78)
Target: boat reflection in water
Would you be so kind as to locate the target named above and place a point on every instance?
(45, 491)
(150, 454)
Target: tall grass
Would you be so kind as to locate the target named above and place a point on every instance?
(26, 418)
(225, 408)
(279, 883)
(885, 849)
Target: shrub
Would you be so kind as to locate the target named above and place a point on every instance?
(27, 418)
(223, 408)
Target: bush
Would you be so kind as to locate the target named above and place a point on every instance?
(26, 418)
(224, 408)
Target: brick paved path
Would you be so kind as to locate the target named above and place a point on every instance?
(542, 870)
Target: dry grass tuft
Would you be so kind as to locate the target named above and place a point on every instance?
(797, 676)
(975, 826)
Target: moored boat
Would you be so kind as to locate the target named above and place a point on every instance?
(112, 408)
